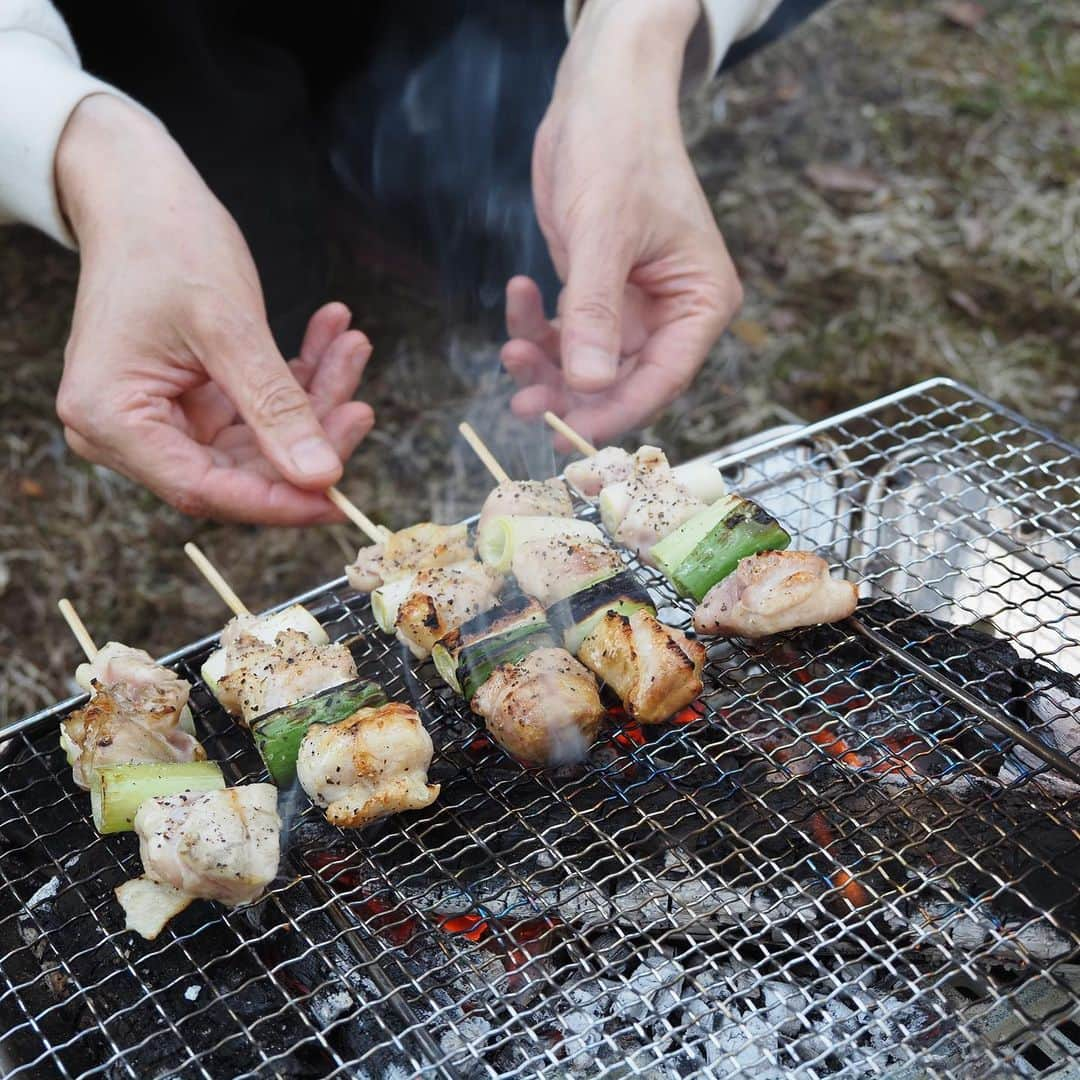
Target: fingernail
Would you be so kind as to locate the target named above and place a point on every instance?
(593, 368)
(314, 456)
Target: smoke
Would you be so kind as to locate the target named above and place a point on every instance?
(435, 136)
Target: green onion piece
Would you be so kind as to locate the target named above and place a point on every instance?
(278, 734)
(117, 791)
(476, 662)
(577, 615)
(705, 549)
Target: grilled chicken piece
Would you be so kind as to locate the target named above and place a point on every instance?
(145, 682)
(116, 729)
(656, 504)
(592, 474)
(218, 845)
(774, 591)
(264, 677)
(373, 764)
(545, 709)
(654, 669)
(443, 598)
(527, 498)
(407, 551)
(552, 569)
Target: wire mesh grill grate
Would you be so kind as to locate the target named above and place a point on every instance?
(827, 870)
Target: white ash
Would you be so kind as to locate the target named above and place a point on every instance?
(655, 988)
(46, 892)
(470, 1032)
(192, 992)
(582, 1038)
(329, 1005)
(71, 862)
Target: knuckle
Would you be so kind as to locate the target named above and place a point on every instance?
(219, 325)
(278, 399)
(596, 309)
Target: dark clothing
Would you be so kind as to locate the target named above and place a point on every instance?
(419, 115)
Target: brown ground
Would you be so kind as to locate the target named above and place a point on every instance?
(945, 242)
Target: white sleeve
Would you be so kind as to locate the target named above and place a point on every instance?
(41, 82)
(722, 23)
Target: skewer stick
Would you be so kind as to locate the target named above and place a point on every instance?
(375, 533)
(579, 442)
(483, 453)
(78, 628)
(217, 582)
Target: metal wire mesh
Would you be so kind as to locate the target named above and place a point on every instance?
(827, 869)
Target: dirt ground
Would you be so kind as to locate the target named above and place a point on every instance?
(898, 184)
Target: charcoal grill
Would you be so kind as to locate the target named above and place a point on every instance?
(829, 869)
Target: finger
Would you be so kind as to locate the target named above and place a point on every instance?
(527, 363)
(591, 312)
(348, 425)
(239, 354)
(339, 371)
(525, 316)
(666, 368)
(534, 401)
(323, 328)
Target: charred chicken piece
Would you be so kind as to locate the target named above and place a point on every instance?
(654, 669)
(774, 591)
(218, 845)
(407, 551)
(264, 677)
(441, 599)
(116, 728)
(526, 498)
(543, 709)
(370, 765)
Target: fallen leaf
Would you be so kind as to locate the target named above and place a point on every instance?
(31, 488)
(843, 178)
(965, 303)
(752, 333)
(964, 13)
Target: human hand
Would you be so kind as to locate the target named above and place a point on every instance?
(171, 375)
(648, 283)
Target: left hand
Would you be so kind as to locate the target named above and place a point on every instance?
(649, 285)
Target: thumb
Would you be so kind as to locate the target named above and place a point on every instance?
(591, 313)
(248, 367)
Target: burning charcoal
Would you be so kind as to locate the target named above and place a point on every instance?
(1054, 709)
(655, 988)
(782, 1002)
(749, 1044)
(330, 1004)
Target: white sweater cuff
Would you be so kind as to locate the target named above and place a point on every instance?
(40, 85)
(723, 22)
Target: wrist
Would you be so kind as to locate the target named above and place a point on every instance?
(639, 43)
(108, 149)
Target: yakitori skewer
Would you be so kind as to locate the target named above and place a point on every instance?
(603, 613)
(491, 463)
(135, 739)
(724, 551)
(313, 718)
(578, 441)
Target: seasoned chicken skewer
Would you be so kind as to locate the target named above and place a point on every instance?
(217, 845)
(606, 618)
(727, 555)
(137, 711)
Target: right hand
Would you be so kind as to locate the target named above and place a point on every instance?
(171, 375)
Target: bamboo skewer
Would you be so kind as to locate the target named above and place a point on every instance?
(377, 534)
(483, 453)
(78, 628)
(579, 441)
(216, 581)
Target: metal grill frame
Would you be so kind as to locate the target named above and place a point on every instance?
(584, 839)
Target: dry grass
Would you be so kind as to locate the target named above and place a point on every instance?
(961, 257)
